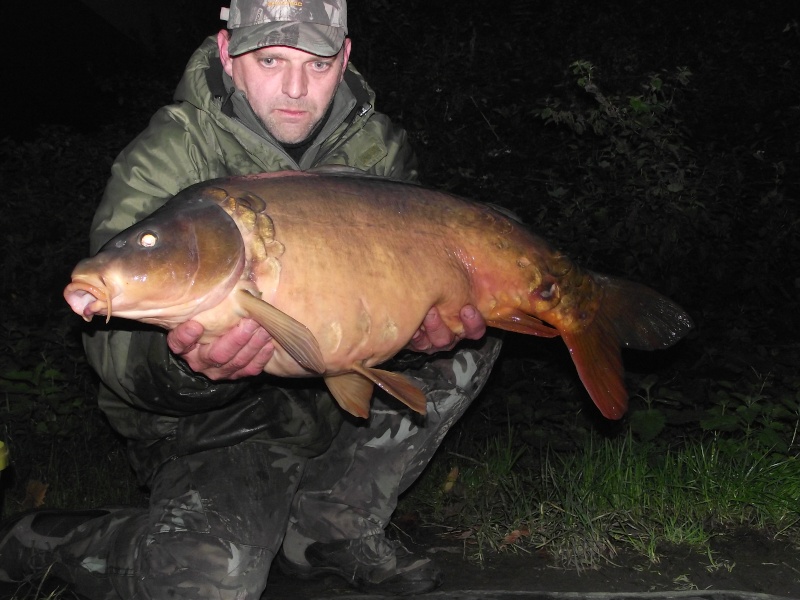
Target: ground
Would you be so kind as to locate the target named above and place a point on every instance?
(741, 563)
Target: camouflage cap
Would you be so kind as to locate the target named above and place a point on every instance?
(316, 26)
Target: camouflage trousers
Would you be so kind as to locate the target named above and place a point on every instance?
(217, 518)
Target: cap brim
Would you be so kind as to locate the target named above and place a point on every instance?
(321, 40)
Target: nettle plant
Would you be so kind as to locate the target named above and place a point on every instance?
(752, 412)
(755, 411)
(626, 178)
(639, 144)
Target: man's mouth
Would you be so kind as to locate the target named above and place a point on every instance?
(291, 112)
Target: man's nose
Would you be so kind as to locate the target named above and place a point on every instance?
(294, 82)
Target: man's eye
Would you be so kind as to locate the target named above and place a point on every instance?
(321, 66)
(268, 62)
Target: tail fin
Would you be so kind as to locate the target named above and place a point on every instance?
(630, 315)
(643, 319)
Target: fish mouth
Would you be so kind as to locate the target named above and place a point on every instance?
(88, 299)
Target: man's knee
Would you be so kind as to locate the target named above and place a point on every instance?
(182, 565)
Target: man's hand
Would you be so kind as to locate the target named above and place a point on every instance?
(435, 336)
(241, 352)
(247, 348)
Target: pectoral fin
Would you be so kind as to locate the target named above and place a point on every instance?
(397, 385)
(512, 319)
(295, 337)
(352, 391)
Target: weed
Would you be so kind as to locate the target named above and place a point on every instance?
(747, 409)
(583, 507)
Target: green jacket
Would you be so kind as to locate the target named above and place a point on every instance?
(150, 396)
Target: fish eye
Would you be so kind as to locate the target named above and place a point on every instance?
(148, 239)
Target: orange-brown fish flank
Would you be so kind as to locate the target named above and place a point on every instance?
(342, 270)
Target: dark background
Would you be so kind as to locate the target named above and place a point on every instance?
(61, 55)
(466, 79)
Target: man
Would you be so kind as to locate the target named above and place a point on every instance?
(244, 468)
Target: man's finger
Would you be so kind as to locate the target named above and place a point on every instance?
(226, 347)
(474, 324)
(254, 356)
(184, 337)
(439, 334)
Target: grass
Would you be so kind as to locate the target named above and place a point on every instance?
(43, 589)
(87, 469)
(583, 507)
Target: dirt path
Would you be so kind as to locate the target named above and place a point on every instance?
(750, 565)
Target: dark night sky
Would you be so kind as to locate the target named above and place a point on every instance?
(59, 52)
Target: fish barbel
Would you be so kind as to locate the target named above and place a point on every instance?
(341, 270)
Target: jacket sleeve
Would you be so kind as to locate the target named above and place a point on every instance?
(137, 366)
(136, 363)
(164, 159)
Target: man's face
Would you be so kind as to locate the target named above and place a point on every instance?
(289, 89)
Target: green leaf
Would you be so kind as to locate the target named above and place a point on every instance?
(638, 105)
(720, 423)
(748, 414)
(773, 440)
(648, 382)
(647, 424)
(18, 376)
